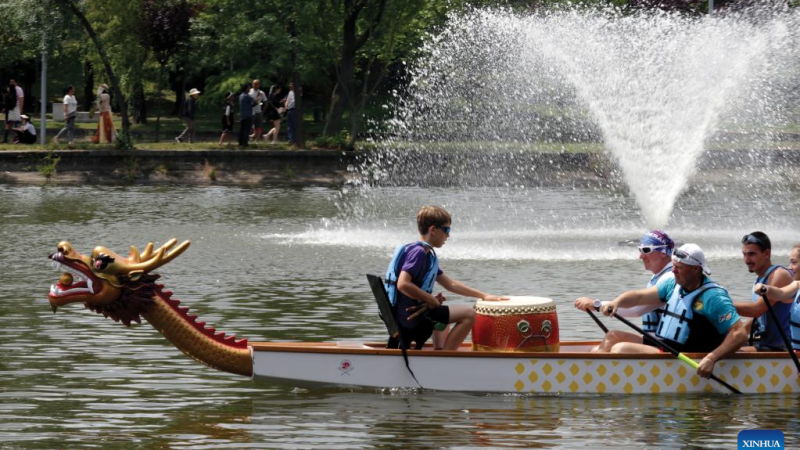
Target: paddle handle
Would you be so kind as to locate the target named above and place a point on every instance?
(688, 360)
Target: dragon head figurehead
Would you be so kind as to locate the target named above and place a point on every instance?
(105, 279)
(123, 289)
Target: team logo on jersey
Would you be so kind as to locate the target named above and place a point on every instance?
(725, 317)
(697, 305)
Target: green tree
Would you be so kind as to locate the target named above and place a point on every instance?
(165, 29)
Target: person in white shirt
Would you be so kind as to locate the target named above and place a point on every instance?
(259, 97)
(26, 133)
(70, 111)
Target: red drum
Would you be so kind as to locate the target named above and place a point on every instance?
(520, 324)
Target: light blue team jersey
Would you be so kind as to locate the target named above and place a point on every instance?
(651, 320)
(714, 304)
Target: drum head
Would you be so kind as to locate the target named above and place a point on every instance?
(516, 301)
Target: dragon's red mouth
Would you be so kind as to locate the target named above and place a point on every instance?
(77, 278)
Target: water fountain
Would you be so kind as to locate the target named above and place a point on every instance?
(656, 89)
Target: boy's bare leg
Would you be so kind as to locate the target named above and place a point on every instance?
(440, 337)
(463, 317)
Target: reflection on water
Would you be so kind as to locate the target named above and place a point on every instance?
(289, 264)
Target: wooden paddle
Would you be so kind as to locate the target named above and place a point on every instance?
(597, 321)
(678, 354)
(771, 309)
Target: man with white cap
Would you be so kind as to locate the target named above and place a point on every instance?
(699, 315)
(189, 108)
(655, 251)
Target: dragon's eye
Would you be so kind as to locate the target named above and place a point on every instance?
(101, 261)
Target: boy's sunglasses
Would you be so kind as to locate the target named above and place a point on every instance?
(445, 229)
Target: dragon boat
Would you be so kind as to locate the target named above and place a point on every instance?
(126, 290)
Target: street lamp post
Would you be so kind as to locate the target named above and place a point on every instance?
(43, 121)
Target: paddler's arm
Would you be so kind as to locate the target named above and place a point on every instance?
(737, 336)
(775, 293)
(777, 280)
(406, 285)
(629, 299)
(460, 288)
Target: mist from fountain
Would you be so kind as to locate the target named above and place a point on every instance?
(653, 87)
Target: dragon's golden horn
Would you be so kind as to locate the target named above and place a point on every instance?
(147, 253)
(134, 255)
(160, 257)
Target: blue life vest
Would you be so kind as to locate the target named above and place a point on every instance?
(764, 326)
(650, 320)
(679, 324)
(393, 272)
(794, 321)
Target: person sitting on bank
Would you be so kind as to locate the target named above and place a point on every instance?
(699, 315)
(655, 251)
(410, 279)
(764, 332)
(26, 133)
(790, 292)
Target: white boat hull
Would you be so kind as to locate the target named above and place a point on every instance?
(572, 370)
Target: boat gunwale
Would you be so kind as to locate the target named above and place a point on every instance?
(466, 351)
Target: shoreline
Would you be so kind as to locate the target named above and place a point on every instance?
(257, 167)
(249, 167)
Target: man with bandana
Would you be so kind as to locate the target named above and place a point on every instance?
(655, 251)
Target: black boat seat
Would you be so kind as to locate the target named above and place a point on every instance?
(385, 310)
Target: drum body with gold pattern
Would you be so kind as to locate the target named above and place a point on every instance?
(518, 324)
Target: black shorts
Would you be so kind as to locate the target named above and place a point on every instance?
(424, 329)
(769, 348)
(440, 314)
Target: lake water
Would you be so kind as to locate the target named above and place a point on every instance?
(289, 264)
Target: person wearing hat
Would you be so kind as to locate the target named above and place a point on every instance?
(189, 108)
(106, 133)
(655, 251)
(26, 132)
(699, 315)
(756, 251)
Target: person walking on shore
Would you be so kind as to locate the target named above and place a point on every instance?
(189, 109)
(258, 115)
(9, 108)
(70, 111)
(274, 111)
(246, 114)
(291, 116)
(227, 117)
(20, 99)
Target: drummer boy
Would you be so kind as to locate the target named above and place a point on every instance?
(412, 273)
